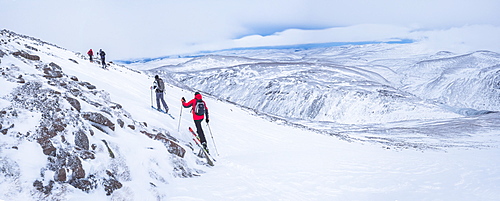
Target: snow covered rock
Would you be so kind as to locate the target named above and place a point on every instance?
(70, 128)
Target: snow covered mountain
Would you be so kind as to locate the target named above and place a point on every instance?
(329, 89)
(63, 133)
(361, 122)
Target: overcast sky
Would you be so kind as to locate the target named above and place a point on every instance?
(150, 28)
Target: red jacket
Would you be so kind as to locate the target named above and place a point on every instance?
(192, 104)
(90, 52)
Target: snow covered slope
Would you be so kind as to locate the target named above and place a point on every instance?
(72, 129)
(62, 138)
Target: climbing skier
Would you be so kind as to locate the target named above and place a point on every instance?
(103, 58)
(159, 87)
(199, 110)
(91, 54)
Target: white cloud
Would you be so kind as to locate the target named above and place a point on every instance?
(149, 28)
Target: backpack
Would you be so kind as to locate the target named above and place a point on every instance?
(160, 85)
(199, 108)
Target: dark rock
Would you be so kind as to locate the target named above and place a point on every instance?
(116, 106)
(20, 79)
(47, 147)
(74, 78)
(111, 154)
(47, 133)
(29, 47)
(88, 85)
(81, 140)
(44, 189)
(111, 185)
(5, 130)
(52, 71)
(26, 55)
(171, 146)
(75, 103)
(84, 184)
(98, 118)
(131, 127)
(74, 61)
(120, 122)
(78, 172)
(87, 155)
(60, 175)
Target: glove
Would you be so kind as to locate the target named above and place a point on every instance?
(183, 99)
(207, 120)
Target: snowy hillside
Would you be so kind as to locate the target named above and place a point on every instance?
(367, 122)
(329, 89)
(64, 135)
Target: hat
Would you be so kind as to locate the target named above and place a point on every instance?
(196, 93)
(157, 77)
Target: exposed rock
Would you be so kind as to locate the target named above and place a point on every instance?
(44, 189)
(75, 103)
(120, 122)
(111, 185)
(60, 175)
(47, 147)
(81, 140)
(52, 71)
(86, 184)
(78, 172)
(98, 118)
(26, 55)
(87, 155)
(5, 130)
(74, 61)
(20, 79)
(111, 154)
(74, 78)
(171, 146)
(88, 85)
(29, 47)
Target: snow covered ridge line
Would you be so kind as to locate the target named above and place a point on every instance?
(62, 136)
(372, 93)
(11, 34)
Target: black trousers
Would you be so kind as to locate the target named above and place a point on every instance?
(199, 130)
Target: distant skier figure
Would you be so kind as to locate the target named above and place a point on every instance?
(103, 58)
(159, 87)
(199, 110)
(91, 54)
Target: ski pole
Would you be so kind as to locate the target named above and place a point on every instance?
(151, 96)
(213, 139)
(180, 117)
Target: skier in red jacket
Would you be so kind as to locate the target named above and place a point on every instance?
(199, 110)
(91, 54)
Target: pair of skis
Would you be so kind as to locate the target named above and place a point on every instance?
(203, 152)
(163, 112)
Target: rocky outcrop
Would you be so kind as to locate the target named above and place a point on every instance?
(26, 55)
(73, 123)
(99, 119)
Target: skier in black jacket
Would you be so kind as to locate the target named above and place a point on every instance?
(159, 88)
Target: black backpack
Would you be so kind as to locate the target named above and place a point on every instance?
(199, 108)
(161, 85)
